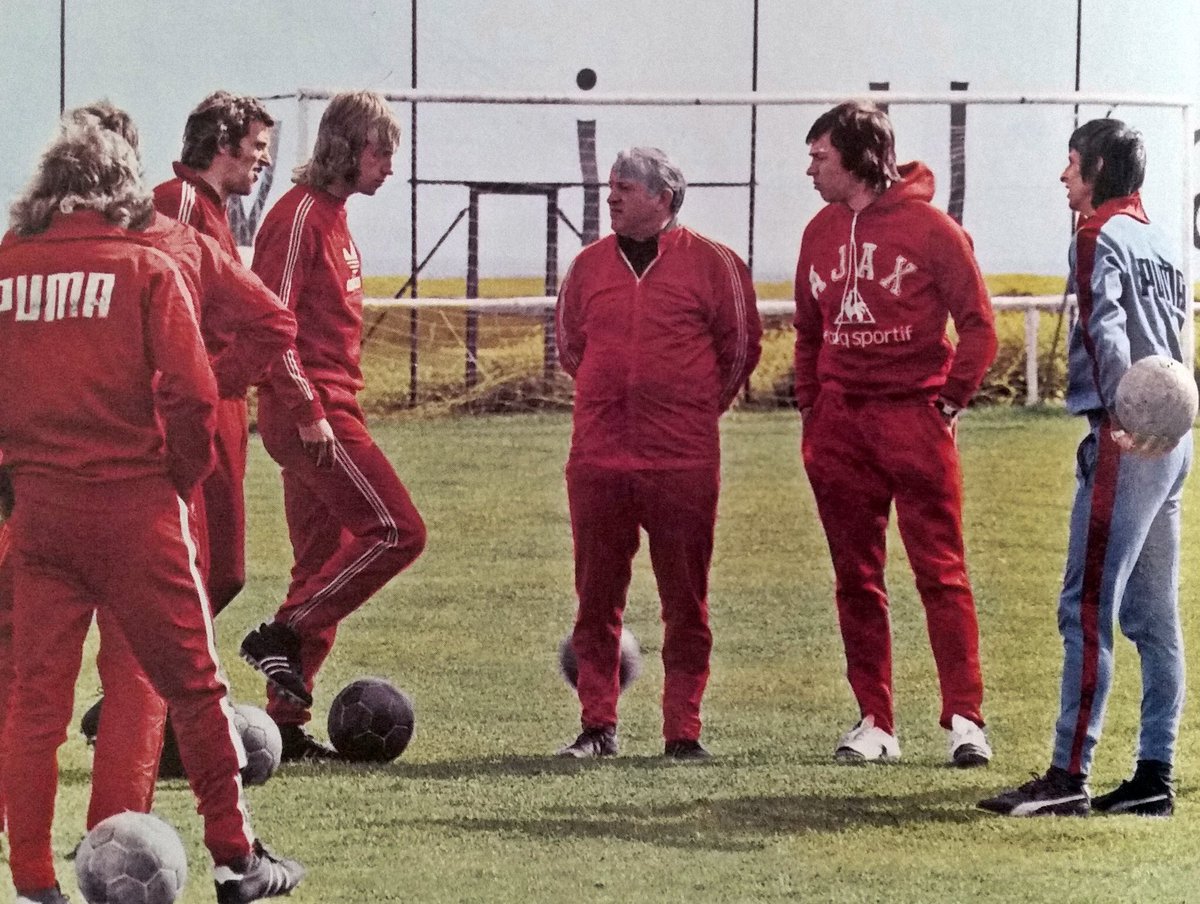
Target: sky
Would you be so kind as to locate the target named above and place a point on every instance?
(159, 59)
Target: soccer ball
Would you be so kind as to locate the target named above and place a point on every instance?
(1157, 397)
(631, 660)
(131, 858)
(260, 737)
(170, 764)
(371, 721)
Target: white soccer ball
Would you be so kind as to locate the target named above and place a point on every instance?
(260, 737)
(1157, 397)
(630, 662)
(131, 858)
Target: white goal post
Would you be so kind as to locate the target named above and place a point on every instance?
(1183, 105)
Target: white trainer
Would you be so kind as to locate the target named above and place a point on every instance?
(968, 744)
(864, 743)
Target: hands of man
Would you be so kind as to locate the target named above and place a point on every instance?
(318, 441)
(1144, 445)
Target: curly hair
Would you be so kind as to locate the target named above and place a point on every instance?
(862, 134)
(351, 120)
(220, 121)
(87, 166)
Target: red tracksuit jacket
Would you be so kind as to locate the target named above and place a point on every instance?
(103, 374)
(656, 358)
(873, 293)
(304, 253)
(235, 301)
(244, 325)
(191, 200)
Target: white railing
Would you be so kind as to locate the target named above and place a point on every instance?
(539, 306)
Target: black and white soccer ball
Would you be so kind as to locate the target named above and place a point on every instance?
(631, 660)
(131, 858)
(170, 763)
(371, 721)
(264, 746)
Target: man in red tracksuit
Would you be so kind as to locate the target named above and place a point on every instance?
(103, 449)
(352, 524)
(244, 327)
(660, 329)
(879, 387)
(226, 143)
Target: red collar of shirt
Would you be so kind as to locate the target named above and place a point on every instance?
(193, 177)
(1127, 205)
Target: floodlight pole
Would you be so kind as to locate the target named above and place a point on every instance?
(753, 143)
(414, 318)
(62, 56)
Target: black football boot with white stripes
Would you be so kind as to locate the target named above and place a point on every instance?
(262, 875)
(1151, 792)
(1057, 793)
(274, 649)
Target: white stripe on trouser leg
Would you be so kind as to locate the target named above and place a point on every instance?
(210, 641)
(354, 568)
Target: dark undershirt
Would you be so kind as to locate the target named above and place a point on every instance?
(639, 254)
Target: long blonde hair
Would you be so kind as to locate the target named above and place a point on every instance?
(86, 166)
(349, 122)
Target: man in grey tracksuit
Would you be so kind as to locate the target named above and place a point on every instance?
(1123, 551)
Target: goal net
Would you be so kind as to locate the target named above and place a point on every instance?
(495, 193)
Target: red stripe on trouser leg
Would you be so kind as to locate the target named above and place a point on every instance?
(678, 511)
(353, 528)
(1104, 494)
(225, 506)
(130, 739)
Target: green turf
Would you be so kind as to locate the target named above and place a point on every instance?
(477, 810)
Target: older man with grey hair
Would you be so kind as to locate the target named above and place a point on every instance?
(659, 327)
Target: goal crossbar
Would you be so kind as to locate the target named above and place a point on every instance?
(756, 98)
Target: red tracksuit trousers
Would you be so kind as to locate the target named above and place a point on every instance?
(125, 764)
(224, 511)
(678, 510)
(7, 669)
(861, 455)
(126, 549)
(353, 528)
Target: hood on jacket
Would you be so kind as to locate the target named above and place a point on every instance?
(916, 184)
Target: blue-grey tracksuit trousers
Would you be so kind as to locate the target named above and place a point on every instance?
(1122, 562)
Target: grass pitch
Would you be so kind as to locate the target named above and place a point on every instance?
(478, 810)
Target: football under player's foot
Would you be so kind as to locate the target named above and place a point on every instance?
(686, 751)
(968, 744)
(592, 742)
(864, 743)
(43, 896)
(89, 723)
(1057, 793)
(261, 875)
(300, 746)
(274, 649)
(1151, 792)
